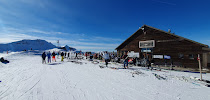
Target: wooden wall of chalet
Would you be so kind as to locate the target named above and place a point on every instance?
(166, 44)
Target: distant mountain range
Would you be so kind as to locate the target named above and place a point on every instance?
(27, 45)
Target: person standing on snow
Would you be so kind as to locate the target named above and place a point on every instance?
(68, 55)
(86, 55)
(125, 57)
(49, 57)
(91, 57)
(62, 54)
(58, 54)
(53, 58)
(100, 56)
(106, 58)
(65, 55)
(43, 58)
(76, 56)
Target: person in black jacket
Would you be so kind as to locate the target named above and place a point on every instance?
(68, 55)
(125, 57)
(65, 55)
(3, 60)
(43, 58)
(134, 61)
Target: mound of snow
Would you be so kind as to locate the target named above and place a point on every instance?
(27, 45)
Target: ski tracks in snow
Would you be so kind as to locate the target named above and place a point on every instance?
(32, 80)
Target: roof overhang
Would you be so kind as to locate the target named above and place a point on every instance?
(127, 40)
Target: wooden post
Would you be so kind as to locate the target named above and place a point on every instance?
(199, 62)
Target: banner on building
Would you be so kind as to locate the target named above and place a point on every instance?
(146, 49)
(158, 56)
(133, 54)
(167, 57)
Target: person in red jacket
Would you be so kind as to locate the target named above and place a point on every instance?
(86, 55)
(53, 56)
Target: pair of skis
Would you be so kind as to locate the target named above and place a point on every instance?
(137, 73)
(159, 77)
(101, 66)
(203, 81)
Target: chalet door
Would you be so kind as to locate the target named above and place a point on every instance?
(147, 53)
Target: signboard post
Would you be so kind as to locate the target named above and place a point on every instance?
(199, 62)
(147, 44)
(58, 43)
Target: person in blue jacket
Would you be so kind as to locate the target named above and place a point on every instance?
(49, 57)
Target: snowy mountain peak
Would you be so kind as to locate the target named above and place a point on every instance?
(66, 46)
(27, 45)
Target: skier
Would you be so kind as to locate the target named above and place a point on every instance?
(53, 58)
(43, 57)
(125, 57)
(86, 55)
(134, 61)
(106, 58)
(58, 54)
(68, 55)
(65, 55)
(49, 57)
(76, 56)
(100, 56)
(62, 54)
(91, 57)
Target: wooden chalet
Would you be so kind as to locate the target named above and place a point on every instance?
(165, 47)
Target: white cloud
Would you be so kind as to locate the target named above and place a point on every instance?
(16, 30)
(7, 38)
(91, 44)
(107, 39)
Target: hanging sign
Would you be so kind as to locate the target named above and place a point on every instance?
(147, 44)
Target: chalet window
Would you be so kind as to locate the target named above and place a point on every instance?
(191, 56)
(181, 56)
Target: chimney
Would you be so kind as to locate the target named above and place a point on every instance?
(169, 30)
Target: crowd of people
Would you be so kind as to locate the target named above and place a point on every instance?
(63, 55)
(111, 57)
(106, 56)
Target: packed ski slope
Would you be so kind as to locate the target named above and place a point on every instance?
(26, 78)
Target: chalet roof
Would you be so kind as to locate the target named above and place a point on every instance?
(135, 34)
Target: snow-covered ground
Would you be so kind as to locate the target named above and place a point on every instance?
(5, 54)
(26, 78)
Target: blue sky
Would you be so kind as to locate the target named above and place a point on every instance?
(98, 25)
